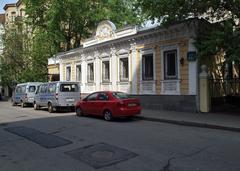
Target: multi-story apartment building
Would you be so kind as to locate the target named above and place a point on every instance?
(2, 21)
(7, 19)
(14, 10)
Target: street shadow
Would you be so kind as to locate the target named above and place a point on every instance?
(117, 120)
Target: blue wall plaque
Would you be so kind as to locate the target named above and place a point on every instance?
(192, 56)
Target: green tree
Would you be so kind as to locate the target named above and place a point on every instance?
(68, 22)
(14, 59)
(223, 37)
(53, 26)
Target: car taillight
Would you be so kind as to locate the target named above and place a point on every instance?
(56, 95)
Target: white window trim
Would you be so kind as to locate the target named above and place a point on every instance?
(169, 48)
(146, 52)
(163, 80)
(94, 68)
(168, 77)
(70, 77)
(106, 57)
(77, 64)
(106, 60)
(89, 60)
(121, 56)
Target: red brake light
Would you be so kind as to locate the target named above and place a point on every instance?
(56, 95)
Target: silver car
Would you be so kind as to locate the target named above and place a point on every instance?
(24, 93)
(57, 95)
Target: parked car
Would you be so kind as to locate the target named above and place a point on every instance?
(57, 95)
(108, 104)
(24, 93)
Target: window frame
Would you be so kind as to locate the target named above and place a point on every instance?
(105, 80)
(147, 52)
(89, 80)
(165, 63)
(121, 78)
(79, 76)
(68, 74)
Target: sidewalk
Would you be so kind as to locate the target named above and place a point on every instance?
(221, 121)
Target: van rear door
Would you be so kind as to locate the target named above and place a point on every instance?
(68, 94)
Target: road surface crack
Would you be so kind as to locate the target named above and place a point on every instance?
(168, 165)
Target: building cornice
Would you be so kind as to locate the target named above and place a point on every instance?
(17, 4)
(9, 5)
(178, 30)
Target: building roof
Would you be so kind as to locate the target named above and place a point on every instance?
(12, 5)
(2, 18)
(9, 5)
(19, 2)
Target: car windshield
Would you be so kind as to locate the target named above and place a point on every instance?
(120, 95)
(31, 89)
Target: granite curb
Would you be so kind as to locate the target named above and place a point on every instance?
(191, 123)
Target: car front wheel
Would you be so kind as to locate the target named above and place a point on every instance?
(79, 111)
(35, 106)
(107, 115)
(50, 108)
(22, 104)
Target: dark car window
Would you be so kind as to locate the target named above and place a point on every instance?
(92, 97)
(31, 89)
(120, 95)
(52, 88)
(38, 89)
(19, 89)
(102, 96)
(68, 87)
(43, 88)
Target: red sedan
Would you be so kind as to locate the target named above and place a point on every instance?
(108, 104)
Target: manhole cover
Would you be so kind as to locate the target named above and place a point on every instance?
(101, 155)
(41, 138)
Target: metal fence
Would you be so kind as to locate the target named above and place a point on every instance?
(224, 87)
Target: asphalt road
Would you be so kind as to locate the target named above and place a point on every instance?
(36, 140)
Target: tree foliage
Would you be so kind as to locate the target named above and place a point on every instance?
(172, 10)
(224, 37)
(14, 60)
(68, 22)
(52, 26)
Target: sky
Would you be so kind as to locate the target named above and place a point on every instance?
(3, 2)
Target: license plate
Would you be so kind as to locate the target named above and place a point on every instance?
(69, 100)
(132, 104)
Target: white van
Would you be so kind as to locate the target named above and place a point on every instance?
(24, 93)
(57, 95)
